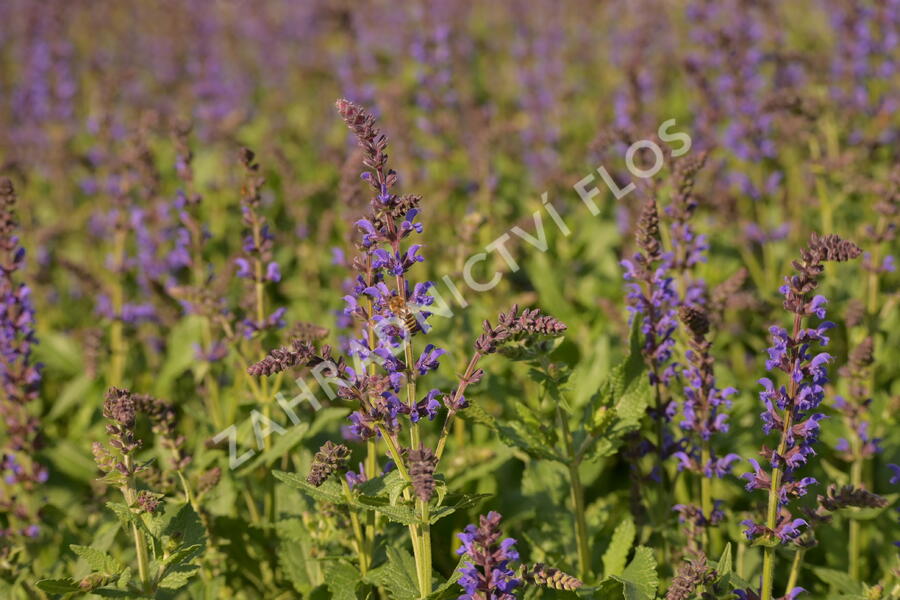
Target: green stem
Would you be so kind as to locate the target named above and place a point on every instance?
(425, 541)
(768, 574)
(854, 533)
(401, 468)
(140, 544)
(577, 489)
(460, 390)
(357, 531)
(795, 570)
(371, 472)
(706, 503)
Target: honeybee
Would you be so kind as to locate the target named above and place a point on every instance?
(399, 307)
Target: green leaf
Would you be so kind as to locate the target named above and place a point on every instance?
(449, 588)
(124, 514)
(294, 558)
(724, 566)
(390, 486)
(60, 353)
(72, 394)
(183, 338)
(58, 586)
(283, 445)
(639, 577)
(178, 577)
(455, 502)
(183, 555)
(342, 579)
(397, 575)
(516, 434)
(330, 491)
(531, 440)
(186, 528)
(400, 513)
(839, 581)
(619, 547)
(98, 560)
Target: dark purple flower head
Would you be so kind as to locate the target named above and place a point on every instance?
(331, 458)
(689, 247)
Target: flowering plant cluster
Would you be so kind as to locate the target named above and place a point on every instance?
(549, 304)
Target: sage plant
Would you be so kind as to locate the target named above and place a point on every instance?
(792, 410)
(704, 416)
(652, 295)
(20, 377)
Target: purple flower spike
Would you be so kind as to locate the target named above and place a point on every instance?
(488, 574)
(792, 410)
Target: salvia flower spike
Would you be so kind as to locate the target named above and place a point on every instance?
(488, 575)
(792, 410)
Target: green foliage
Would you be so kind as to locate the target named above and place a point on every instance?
(619, 548)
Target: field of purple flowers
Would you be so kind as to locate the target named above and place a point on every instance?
(437, 299)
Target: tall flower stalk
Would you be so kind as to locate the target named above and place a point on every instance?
(389, 309)
(705, 415)
(20, 378)
(651, 294)
(859, 445)
(792, 410)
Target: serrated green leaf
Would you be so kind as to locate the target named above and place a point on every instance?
(177, 577)
(839, 581)
(98, 560)
(639, 577)
(397, 575)
(455, 502)
(330, 491)
(619, 547)
(342, 579)
(449, 588)
(187, 528)
(294, 559)
(124, 514)
(398, 513)
(183, 555)
(528, 439)
(390, 486)
(477, 414)
(58, 586)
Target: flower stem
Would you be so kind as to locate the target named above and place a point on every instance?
(140, 544)
(357, 532)
(425, 571)
(413, 529)
(768, 573)
(460, 390)
(577, 489)
(854, 533)
(706, 503)
(795, 570)
(371, 471)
